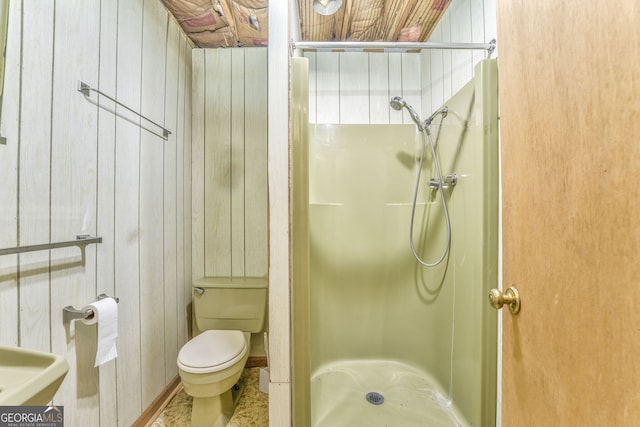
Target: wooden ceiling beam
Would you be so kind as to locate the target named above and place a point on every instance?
(228, 13)
(394, 30)
(345, 22)
(432, 16)
(314, 26)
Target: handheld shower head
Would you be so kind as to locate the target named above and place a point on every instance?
(444, 111)
(397, 103)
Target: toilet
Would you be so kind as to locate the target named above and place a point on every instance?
(226, 311)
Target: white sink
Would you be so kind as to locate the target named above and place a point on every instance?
(29, 377)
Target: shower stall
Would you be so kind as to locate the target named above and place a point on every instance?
(378, 338)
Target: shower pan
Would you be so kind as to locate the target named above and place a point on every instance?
(378, 338)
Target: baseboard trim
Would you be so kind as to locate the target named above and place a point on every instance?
(256, 362)
(159, 403)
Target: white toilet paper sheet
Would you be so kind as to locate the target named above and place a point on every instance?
(105, 315)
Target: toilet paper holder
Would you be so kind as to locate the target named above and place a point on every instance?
(70, 313)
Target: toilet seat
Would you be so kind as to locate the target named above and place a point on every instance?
(212, 351)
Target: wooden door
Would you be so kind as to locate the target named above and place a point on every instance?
(570, 134)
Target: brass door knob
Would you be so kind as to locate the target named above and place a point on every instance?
(510, 297)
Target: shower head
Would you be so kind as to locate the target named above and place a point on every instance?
(427, 123)
(397, 103)
(444, 110)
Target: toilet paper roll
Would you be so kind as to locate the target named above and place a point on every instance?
(105, 315)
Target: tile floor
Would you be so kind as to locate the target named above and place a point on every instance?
(252, 409)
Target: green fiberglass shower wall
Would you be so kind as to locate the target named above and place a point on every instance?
(371, 306)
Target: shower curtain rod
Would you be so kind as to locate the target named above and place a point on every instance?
(490, 47)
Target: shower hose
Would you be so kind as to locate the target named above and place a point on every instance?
(442, 198)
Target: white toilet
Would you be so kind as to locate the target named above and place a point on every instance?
(226, 311)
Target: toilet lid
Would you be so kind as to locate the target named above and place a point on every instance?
(212, 351)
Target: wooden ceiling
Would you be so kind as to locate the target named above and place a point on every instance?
(240, 23)
(222, 23)
(372, 20)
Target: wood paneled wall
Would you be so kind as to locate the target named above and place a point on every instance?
(281, 18)
(74, 165)
(230, 165)
(444, 72)
(230, 162)
(354, 87)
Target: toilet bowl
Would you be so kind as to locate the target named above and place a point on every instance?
(227, 311)
(209, 366)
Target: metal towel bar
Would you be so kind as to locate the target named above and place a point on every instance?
(85, 89)
(81, 240)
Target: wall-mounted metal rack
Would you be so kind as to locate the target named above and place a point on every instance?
(81, 240)
(85, 89)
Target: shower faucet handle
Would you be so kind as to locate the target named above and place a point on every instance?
(448, 181)
(510, 297)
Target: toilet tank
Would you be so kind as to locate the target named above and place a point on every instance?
(237, 303)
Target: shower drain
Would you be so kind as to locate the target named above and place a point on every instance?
(375, 398)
